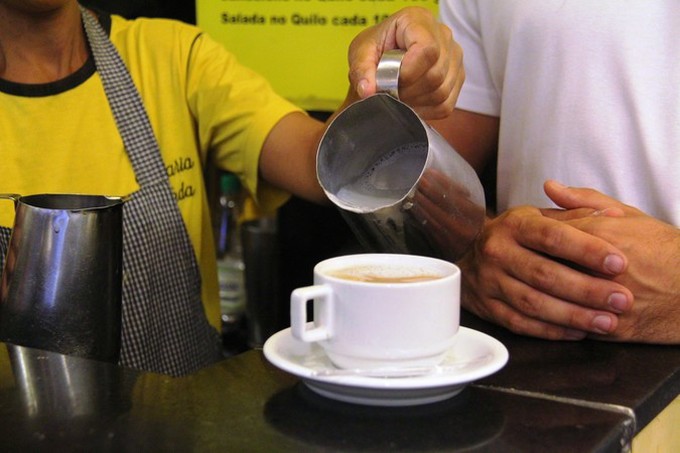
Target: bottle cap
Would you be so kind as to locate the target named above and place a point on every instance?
(229, 183)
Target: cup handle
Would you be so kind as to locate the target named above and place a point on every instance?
(11, 196)
(323, 320)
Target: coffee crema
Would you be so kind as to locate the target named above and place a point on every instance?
(385, 274)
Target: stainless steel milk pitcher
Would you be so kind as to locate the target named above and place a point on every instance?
(398, 183)
(61, 283)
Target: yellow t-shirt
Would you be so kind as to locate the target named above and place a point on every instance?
(61, 137)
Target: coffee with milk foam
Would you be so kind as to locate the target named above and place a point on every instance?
(386, 274)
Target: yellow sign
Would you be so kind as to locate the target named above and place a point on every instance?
(300, 46)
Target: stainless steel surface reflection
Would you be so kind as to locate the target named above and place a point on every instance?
(61, 284)
(58, 387)
(398, 183)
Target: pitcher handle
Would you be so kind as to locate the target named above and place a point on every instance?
(387, 75)
(11, 196)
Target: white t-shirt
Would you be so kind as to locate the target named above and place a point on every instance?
(588, 93)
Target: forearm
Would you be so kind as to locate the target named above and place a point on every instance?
(288, 158)
(473, 135)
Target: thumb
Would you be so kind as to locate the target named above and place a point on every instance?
(364, 55)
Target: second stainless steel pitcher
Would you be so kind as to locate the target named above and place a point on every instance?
(61, 283)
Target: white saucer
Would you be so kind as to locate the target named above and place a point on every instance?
(473, 356)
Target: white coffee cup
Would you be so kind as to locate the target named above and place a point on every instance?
(383, 323)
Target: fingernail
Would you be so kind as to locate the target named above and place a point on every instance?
(574, 335)
(602, 323)
(614, 264)
(361, 88)
(618, 301)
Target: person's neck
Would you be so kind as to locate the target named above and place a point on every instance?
(41, 47)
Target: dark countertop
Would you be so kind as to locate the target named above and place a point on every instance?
(642, 378)
(559, 397)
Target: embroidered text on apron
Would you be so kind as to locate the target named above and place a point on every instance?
(164, 325)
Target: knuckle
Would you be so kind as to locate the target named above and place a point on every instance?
(543, 277)
(439, 95)
(511, 220)
(596, 252)
(516, 323)
(576, 321)
(591, 294)
(545, 235)
(530, 303)
(430, 55)
(492, 249)
(551, 239)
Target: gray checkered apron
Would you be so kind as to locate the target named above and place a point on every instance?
(165, 329)
(164, 325)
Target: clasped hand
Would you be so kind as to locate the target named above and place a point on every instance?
(596, 267)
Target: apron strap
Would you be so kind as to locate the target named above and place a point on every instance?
(128, 111)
